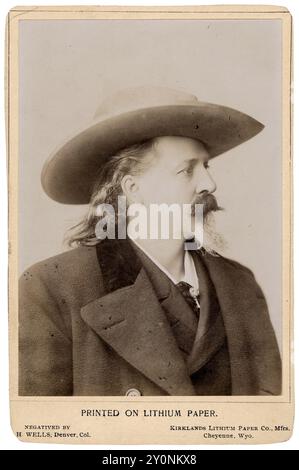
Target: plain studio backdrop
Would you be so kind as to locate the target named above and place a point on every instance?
(68, 67)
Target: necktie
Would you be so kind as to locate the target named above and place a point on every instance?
(191, 296)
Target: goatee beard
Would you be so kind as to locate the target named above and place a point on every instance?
(213, 241)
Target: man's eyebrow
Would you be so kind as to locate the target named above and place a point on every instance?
(188, 161)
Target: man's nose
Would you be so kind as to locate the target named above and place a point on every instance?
(206, 183)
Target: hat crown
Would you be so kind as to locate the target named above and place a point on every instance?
(132, 99)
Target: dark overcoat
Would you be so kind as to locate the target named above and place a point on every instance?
(90, 323)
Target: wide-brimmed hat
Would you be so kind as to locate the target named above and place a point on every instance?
(132, 116)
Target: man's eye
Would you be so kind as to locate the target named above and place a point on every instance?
(186, 171)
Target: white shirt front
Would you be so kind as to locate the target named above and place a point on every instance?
(190, 275)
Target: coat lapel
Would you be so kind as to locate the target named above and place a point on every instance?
(210, 334)
(254, 355)
(130, 319)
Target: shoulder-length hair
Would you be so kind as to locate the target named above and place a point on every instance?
(132, 160)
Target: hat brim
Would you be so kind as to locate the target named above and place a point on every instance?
(69, 174)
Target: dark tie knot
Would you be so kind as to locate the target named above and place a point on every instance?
(191, 295)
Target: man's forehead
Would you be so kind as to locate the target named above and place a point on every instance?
(180, 148)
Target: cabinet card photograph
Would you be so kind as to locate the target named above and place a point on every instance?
(150, 224)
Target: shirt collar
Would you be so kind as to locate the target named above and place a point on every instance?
(190, 275)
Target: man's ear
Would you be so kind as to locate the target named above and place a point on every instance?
(130, 188)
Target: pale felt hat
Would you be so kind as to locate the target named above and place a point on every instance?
(134, 115)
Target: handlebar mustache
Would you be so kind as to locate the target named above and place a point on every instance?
(209, 203)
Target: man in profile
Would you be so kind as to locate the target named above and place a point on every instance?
(145, 316)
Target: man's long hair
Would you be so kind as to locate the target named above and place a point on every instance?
(132, 160)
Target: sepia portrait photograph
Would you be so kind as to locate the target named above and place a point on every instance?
(152, 228)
